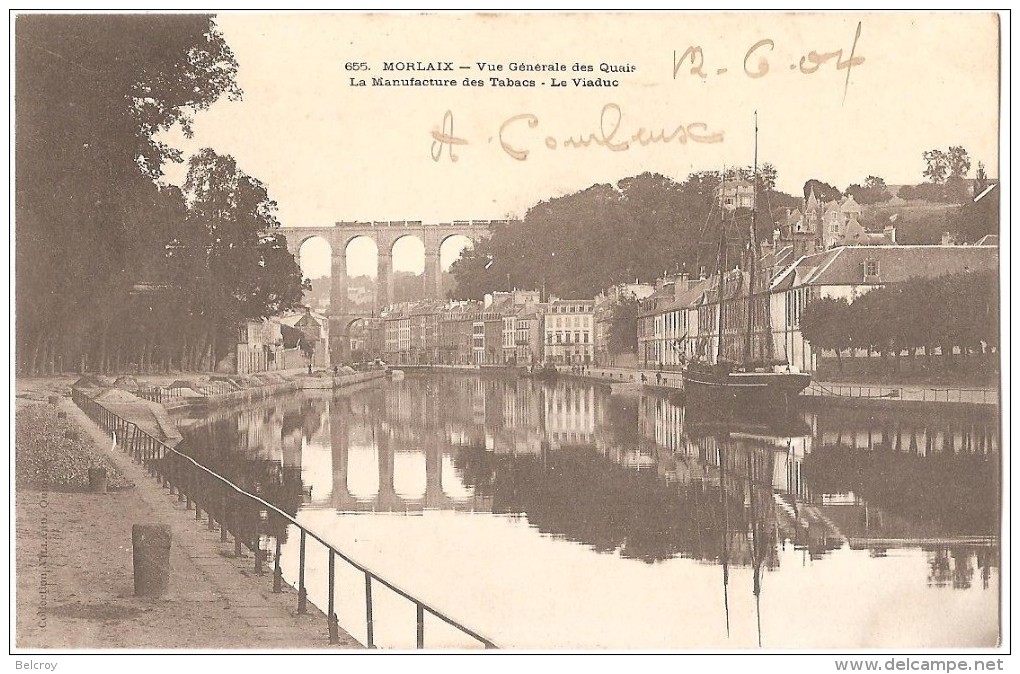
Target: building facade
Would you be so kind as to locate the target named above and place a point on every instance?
(569, 328)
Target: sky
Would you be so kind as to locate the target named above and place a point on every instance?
(329, 151)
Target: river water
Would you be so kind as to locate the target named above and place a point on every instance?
(557, 515)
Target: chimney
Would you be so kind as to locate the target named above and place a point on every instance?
(890, 232)
(488, 300)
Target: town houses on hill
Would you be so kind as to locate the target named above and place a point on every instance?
(820, 251)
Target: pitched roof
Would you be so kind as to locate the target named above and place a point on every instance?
(812, 200)
(692, 296)
(781, 257)
(294, 319)
(845, 265)
(850, 206)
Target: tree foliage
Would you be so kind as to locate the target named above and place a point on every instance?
(823, 191)
(825, 322)
(953, 312)
(92, 94)
(227, 263)
(637, 229)
(874, 191)
(941, 165)
(623, 326)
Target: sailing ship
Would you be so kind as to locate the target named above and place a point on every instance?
(750, 378)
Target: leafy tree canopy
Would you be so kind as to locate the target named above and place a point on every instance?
(637, 229)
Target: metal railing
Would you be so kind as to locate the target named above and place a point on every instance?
(975, 396)
(224, 502)
(154, 394)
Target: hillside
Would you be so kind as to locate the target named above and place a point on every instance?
(916, 222)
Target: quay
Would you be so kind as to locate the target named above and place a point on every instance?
(220, 595)
(75, 577)
(671, 382)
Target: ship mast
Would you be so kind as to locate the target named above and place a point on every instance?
(752, 253)
(721, 270)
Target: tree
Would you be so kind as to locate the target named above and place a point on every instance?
(942, 165)
(227, 260)
(91, 92)
(954, 312)
(937, 169)
(578, 244)
(874, 191)
(958, 161)
(767, 175)
(825, 324)
(823, 191)
(623, 326)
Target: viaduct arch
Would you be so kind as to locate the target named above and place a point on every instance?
(384, 234)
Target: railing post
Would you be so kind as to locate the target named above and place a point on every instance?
(302, 597)
(179, 480)
(277, 573)
(258, 544)
(331, 618)
(370, 628)
(421, 626)
(223, 517)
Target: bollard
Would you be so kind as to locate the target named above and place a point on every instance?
(97, 480)
(151, 547)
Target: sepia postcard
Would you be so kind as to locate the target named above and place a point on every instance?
(643, 332)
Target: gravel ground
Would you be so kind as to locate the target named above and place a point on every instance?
(56, 453)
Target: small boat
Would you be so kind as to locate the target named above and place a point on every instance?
(547, 372)
(395, 375)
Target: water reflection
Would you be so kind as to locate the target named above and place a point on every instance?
(638, 479)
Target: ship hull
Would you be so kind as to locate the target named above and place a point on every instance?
(744, 392)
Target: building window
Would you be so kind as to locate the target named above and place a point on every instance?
(871, 267)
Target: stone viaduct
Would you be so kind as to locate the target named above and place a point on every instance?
(385, 234)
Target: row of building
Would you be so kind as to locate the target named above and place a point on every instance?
(507, 328)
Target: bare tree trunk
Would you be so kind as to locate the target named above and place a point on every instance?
(103, 356)
(212, 348)
(184, 352)
(142, 353)
(34, 359)
(48, 358)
